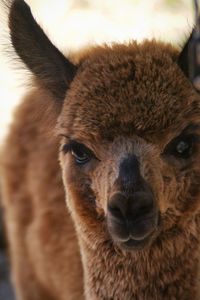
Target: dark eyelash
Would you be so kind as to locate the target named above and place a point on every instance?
(75, 146)
(66, 148)
(72, 145)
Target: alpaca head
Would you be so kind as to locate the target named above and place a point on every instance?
(130, 150)
(130, 132)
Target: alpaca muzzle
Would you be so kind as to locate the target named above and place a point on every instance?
(132, 214)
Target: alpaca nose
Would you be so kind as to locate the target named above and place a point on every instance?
(122, 208)
(132, 217)
(131, 212)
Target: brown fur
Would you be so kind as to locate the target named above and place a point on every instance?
(124, 99)
(32, 281)
(109, 107)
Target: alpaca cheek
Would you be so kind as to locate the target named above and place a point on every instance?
(188, 200)
(151, 172)
(102, 184)
(79, 196)
(182, 195)
(85, 214)
(167, 194)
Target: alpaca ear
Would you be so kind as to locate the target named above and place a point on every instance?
(50, 67)
(189, 59)
(183, 59)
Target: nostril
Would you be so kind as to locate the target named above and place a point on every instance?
(143, 210)
(115, 212)
(142, 205)
(117, 207)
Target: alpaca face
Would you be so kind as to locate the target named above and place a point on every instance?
(130, 147)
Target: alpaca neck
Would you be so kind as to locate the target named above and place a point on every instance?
(167, 270)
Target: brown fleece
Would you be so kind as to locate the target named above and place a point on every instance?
(124, 99)
(117, 102)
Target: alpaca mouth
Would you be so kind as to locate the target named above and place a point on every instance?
(133, 244)
(143, 239)
(134, 235)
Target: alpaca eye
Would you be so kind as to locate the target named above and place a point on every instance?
(80, 154)
(184, 147)
(181, 147)
(79, 151)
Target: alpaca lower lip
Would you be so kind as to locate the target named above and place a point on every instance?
(135, 244)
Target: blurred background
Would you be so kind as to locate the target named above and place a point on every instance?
(74, 24)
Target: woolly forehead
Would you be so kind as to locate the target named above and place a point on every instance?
(130, 89)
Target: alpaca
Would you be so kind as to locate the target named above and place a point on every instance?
(116, 138)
